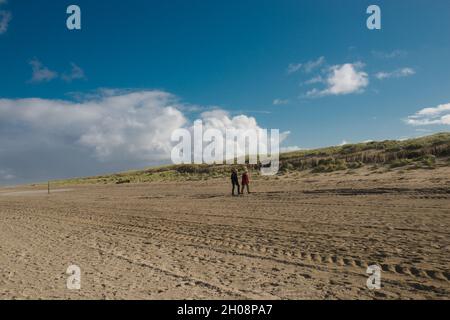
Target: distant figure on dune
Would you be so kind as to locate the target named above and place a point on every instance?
(234, 181)
(245, 181)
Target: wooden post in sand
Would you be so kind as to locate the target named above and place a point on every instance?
(48, 187)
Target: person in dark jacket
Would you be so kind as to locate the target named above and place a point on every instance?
(235, 181)
(245, 181)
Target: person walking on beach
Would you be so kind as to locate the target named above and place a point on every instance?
(245, 181)
(234, 181)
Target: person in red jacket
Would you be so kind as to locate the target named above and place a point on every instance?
(245, 181)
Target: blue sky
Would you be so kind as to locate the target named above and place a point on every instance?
(251, 58)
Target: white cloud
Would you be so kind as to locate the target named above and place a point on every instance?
(6, 175)
(293, 67)
(314, 80)
(311, 65)
(112, 131)
(343, 79)
(389, 55)
(40, 72)
(399, 73)
(306, 67)
(423, 130)
(43, 74)
(221, 120)
(5, 19)
(343, 143)
(75, 73)
(278, 102)
(290, 149)
(134, 126)
(439, 115)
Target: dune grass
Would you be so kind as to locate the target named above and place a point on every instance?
(425, 152)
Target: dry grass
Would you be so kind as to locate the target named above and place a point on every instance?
(426, 152)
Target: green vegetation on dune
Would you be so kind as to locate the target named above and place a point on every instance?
(425, 152)
(420, 152)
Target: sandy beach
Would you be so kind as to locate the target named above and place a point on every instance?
(296, 237)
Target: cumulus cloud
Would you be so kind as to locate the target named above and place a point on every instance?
(222, 121)
(130, 126)
(75, 73)
(343, 79)
(116, 130)
(439, 115)
(5, 19)
(40, 72)
(399, 73)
